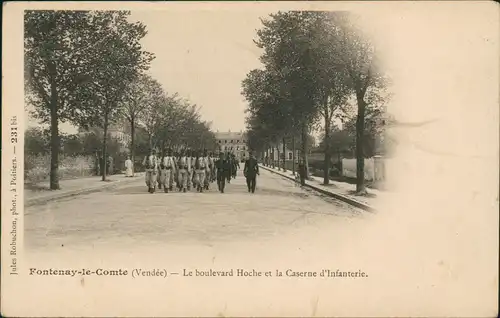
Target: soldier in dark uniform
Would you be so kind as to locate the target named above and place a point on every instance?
(229, 163)
(222, 167)
(235, 165)
(251, 170)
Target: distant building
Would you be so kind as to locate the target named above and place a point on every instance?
(233, 142)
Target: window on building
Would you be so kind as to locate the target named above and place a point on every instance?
(290, 156)
(225, 141)
(220, 141)
(243, 148)
(237, 148)
(231, 141)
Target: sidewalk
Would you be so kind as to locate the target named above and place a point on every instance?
(41, 193)
(339, 190)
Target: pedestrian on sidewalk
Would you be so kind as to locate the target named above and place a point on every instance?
(250, 171)
(129, 167)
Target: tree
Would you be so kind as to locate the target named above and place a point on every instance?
(58, 52)
(290, 54)
(135, 102)
(36, 141)
(155, 102)
(358, 56)
(119, 63)
(72, 145)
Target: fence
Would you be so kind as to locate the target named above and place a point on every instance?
(374, 167)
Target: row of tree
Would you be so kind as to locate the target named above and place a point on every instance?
(168, 120)
(318, 69)
(88, 68)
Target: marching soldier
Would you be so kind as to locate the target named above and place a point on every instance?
(160, 163)
(229, 163)
(209, 168)
(235, 165)
(200, 167)
(150, 162)
(167, 171)
(250, 171)
(179, 177)
(183, 164)
(222, 166)
(190, 170)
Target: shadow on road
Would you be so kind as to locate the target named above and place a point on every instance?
(232, 188)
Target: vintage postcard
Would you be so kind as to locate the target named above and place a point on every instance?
(237, 159)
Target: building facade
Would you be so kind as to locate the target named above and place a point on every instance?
(233, 142)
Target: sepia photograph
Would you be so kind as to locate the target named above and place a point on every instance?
(250, 159)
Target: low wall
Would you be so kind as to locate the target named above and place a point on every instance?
(37, 168)
(374, 168)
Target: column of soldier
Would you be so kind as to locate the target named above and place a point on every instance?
(188, 169)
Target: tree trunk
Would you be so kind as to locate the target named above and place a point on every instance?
(293, 155)
(54, 140)
(104, 147)
(278, 151)
(304, 148)
(132, 140)
(326, 142)
(360, 158)
(272, 157)
(284, 154)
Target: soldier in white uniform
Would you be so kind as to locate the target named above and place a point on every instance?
(183, 166)
(209, 169)
(150, 162)
(200, 167)
(167, 171)
(191, 159)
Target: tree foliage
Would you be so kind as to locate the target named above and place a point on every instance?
(77, 67)
(314, 64)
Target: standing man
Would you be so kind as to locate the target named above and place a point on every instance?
(150, 163)
(129, 167)
(251, 170)
(168, 171)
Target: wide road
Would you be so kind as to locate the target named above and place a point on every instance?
(128, 216)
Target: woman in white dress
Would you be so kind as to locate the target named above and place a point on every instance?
(129, 167)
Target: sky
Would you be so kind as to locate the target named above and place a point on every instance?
(437, 68)
(203, 56)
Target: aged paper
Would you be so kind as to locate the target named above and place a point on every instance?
(429, 247)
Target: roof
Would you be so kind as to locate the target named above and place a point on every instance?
(230, 135)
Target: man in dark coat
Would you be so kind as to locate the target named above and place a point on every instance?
(229, 163)
(223, 171)
(251, 170)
